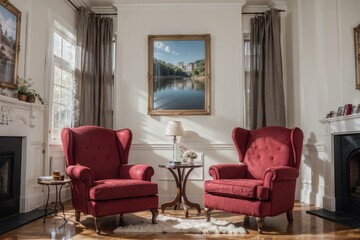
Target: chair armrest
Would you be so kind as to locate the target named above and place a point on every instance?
(278, 174)
(227, 171)
(80, 173)
(138, 171)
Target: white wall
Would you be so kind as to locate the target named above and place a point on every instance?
(326, 78)
(208, 134)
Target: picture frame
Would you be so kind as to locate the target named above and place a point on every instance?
(10, 22)
(341, 111)
(179, 74)
(357, 55)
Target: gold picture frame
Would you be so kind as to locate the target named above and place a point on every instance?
(357, 55)
(179, 74)
(9, 44)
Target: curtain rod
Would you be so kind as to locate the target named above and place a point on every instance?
(280, 10)
(77, 9)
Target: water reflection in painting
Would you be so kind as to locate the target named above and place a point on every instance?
(179, 93)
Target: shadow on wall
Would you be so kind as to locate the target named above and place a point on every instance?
(312, 177)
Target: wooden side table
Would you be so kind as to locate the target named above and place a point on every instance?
(181, 179)
(47, 181)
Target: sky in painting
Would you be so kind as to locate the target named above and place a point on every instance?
(179, 51)
(8, 22)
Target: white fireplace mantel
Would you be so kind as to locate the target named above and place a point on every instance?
(335, 126)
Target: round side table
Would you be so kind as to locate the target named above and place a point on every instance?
(181, 179)
(47, 181)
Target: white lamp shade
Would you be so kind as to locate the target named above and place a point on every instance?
(174, 128)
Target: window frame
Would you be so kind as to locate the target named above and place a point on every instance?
(54, 61)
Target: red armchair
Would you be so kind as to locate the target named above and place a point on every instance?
(102, 181)
(264, 184)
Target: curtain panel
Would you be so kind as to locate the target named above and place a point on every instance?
(93, 75)
(267, 105)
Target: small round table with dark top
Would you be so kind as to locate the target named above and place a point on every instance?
(181, 178)
(47, 181)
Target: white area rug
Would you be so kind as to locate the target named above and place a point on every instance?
(178, 225)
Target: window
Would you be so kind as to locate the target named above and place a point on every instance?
(247, 80)
(63, 90)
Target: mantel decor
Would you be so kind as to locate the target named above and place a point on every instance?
(10, 18)
(357, 55)
(179, 74)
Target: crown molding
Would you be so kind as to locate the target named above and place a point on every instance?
(190, 3)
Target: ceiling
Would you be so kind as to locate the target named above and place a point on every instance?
(106, 3)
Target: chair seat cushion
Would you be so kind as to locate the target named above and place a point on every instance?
(108, 189)
(238, 188)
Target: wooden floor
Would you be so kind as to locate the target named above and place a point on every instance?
(305, 226)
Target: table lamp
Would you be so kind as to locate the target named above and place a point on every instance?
(174, 128)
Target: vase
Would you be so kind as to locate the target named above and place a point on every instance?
(31, 99)
(190, 161)
(22, 97)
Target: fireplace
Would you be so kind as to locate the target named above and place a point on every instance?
(10, 175)
(347, 173)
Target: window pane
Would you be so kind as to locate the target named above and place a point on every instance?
(69, 52)
(67, 79)
(67, 97)
(57, 76)
(57, 45)
(57, 94)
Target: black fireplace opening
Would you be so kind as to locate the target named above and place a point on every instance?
(10, 175)
(347, 173)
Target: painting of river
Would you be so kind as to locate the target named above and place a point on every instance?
(179, 71)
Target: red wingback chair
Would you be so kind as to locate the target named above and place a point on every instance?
(264, 184)
(102, 182)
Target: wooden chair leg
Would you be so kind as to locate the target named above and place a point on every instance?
(289, 215)
(207, 213)
(77, 215)
(246, 221)
(97, 225)
(155, 213)
(260, 224)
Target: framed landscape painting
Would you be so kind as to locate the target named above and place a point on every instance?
(179, 74)
(10, 18)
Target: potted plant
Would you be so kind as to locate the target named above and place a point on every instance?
(32, 95)
(23, 85)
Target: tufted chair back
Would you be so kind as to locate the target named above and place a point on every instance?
(102, 150)
(267, 147)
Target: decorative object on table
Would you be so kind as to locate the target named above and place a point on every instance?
(341, 111)
(22, 88)
(24, 92)
(179, 74)
(331, 114)
(348, 109)
(167, 224)
(190, 155)
(32, 95)
(9, 44)
(174, 128)
(355, 110)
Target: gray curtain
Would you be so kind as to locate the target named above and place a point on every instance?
(267, 106)
(93, 76)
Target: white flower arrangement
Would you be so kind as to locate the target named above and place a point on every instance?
(190, 154)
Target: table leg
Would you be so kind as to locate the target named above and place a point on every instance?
(177, 199)
(62, 206)
(56, 201)
(47, 203)
(186, 200)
